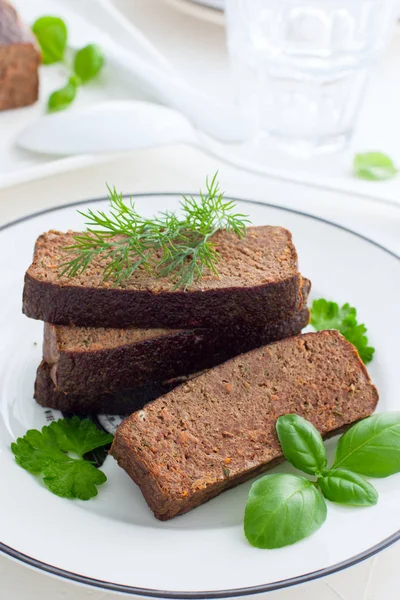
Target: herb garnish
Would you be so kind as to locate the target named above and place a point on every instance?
(49, 453)
(374, 166)
(52, 35)
(283, 509)
(371, 447)
(328, 315)
(62, 98)
(166, 246)
(346, 487)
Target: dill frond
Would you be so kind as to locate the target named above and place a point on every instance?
(165, 246)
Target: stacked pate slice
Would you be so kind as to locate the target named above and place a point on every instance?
(258, 282)
(105, 344)
(86, 360)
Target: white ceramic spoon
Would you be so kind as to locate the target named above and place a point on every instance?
(220, 120)
(107, 127)
(146, 65)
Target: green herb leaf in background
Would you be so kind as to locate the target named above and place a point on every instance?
(328, 315)
(62, 98)
(281, 510)
(374, 166)
(371, 447)
(346, 487)
(88, 62)
(45, 452)
(51, 34)
(302, 444)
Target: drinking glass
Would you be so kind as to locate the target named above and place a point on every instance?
(301, 66)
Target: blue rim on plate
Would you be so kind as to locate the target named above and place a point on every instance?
(206, 595)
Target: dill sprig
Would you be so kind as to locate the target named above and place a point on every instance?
(165, 246)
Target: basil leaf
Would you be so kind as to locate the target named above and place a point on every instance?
(281, 510)
(62, 98)
(51, 34)
(302, 444)
(88, 62)
(346, 487)
(371, 447)
(374, 166)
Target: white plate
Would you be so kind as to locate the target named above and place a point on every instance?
(113, 541)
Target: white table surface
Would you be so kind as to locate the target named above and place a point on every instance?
(184, 169)
(203, 63)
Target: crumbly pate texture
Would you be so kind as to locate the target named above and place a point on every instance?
(81, 339)
(220, 428)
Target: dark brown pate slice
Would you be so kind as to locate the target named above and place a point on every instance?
(258, 282)
(121, 402)
(93, 360)
(218, 430)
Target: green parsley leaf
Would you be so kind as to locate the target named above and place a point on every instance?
(345, 487)
(36, 449)
(74, 479)
(46, 452)
(374, 166)
(328, 315)
(62, 98)
(51, 34)
(88, 62)
(79, 435)
(281, 510)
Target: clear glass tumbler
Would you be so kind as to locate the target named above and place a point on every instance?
(301, 65)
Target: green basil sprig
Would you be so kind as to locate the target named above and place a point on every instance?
(52, 35)
(62, 98)
(283, 509)
(302, 444)
(345, 487)
(371, 447)
(374, 166)
(88, 62)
